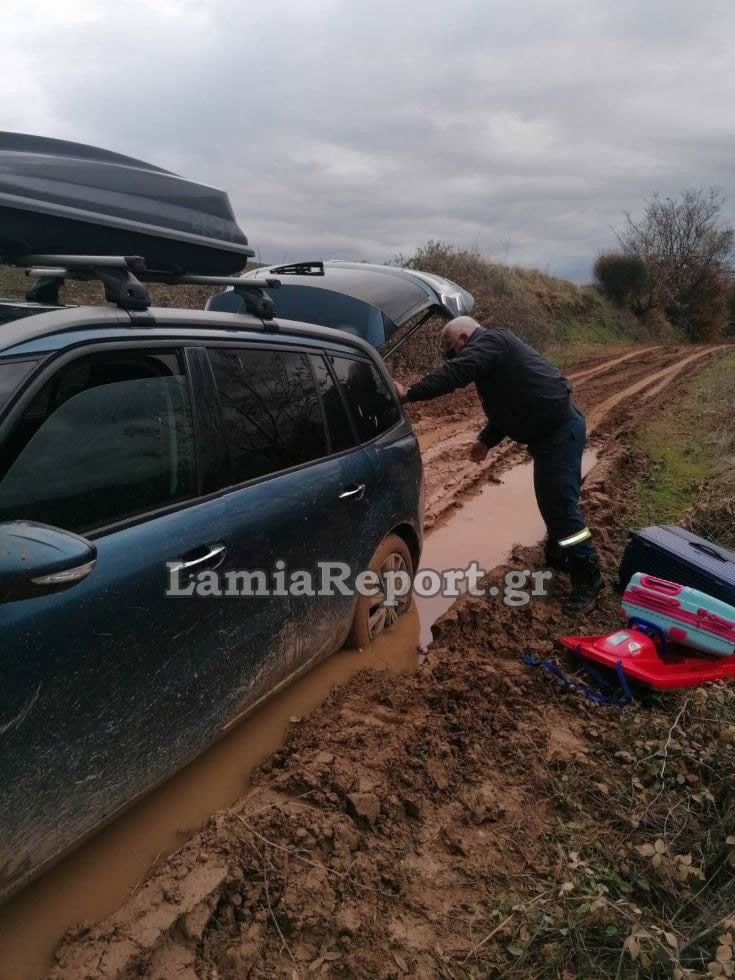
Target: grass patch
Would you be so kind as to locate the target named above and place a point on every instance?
(634, 876)
(691, 446)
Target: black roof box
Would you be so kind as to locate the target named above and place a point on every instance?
(62, 197)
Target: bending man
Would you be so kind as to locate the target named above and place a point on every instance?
(526, 399)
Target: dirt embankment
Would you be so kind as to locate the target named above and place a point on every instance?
(471, 819)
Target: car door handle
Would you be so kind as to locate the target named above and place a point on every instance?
(216, 551)
(356, 490)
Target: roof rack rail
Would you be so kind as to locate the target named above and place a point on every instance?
(115, 272)
(124, 278)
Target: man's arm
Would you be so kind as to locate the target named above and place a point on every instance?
(465, 368)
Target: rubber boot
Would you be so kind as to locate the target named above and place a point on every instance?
(554, 556)
(587, 584)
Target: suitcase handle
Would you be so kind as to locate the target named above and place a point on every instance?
(658, 600)
(661, 585)
(713, 552)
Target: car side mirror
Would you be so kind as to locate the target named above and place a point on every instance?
(36, 559)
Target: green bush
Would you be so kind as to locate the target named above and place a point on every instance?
(623, 278)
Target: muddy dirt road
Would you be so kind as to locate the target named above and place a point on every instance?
(329, 864)
(447, 427)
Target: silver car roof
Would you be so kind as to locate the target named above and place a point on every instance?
(61, 321)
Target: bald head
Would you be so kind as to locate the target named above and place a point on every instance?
(458, 331)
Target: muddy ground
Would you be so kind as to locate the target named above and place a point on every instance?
(446, 427)
(412, 825)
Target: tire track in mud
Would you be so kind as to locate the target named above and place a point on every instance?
(606, 365)
(663, 377)
(449, 474)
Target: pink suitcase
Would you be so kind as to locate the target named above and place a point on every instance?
(687, 617)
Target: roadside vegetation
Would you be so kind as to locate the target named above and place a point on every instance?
(565, 321)
(691, 448)
(674, 265)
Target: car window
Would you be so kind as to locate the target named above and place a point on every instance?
(11, 375)
(338, 421)
(373, 407)
(108, 437)
(270, 410)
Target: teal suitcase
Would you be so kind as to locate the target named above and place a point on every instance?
(686, 616)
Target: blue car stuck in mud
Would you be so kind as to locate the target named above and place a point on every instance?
(145, 451)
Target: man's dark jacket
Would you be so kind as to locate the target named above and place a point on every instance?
(524, 396)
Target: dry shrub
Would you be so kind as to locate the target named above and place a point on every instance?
(421, 353)
(706, 315)
(658, 327)
(687, 248)
(547, 312)
(713, 517)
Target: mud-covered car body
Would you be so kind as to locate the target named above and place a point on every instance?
(146, 451)
(127, 435)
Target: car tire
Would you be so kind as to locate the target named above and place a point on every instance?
(371, 618)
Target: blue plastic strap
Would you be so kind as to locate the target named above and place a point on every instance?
(531, 660)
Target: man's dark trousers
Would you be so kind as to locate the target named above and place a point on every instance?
(557, 480)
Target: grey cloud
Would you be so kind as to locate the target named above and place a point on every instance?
(361, 130)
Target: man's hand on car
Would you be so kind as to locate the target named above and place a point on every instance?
(478, 451)
(400, 390)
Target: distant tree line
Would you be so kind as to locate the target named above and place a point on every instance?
(676, 263)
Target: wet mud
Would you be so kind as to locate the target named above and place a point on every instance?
(390, 792)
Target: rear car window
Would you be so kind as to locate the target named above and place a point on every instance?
(108, 437)
(338, 421)
(11, 375)
(373, 407)
(270, 409)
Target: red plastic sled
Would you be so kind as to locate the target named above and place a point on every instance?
(641, 659)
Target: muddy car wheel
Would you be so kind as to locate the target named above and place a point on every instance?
(371, 617)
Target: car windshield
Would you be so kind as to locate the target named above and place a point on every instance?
(11, 375)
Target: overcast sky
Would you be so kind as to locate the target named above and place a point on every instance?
(363, 128)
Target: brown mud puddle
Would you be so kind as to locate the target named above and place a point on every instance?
(484, 528)
(96, 878)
